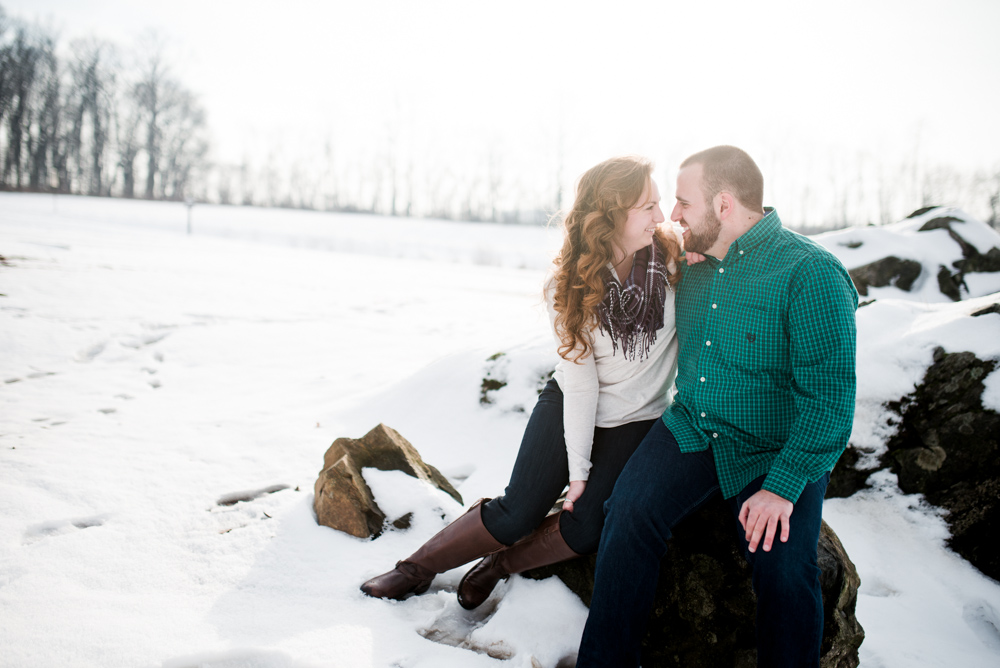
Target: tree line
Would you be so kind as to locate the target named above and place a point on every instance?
(93, 120)
(84, 124)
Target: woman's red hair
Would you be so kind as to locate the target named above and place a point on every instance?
(604, 196)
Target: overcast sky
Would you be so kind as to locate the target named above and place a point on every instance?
(894, 79)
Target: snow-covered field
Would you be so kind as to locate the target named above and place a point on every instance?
(146, 374)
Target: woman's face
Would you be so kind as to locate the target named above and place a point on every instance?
(642, 221)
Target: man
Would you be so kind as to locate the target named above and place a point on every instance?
(764, 406)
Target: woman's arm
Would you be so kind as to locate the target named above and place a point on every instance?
(580, 388)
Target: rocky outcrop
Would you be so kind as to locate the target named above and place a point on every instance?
(922, 263)
(343, 499)
(704, 610)
(951, 280)
(887, 271)
(946, 447)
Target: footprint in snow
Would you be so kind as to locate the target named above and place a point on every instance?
(236, 658)
(88, 354)
(32, 375)
(37, 532)
(143, 341)
(42, 420)
(984, 620)
(232, 498)
(454, 626)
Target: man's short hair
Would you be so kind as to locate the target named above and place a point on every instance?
(727, 168)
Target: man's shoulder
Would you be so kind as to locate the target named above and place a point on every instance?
(814, 267)
(799, 249)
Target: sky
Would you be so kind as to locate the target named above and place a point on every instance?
(798, 85)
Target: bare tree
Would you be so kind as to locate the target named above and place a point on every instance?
(6, 67)
(494, 181)
(93, 76)
(21, 64)
(184, 144)
(127, 124)
(44, 145)
(154, 93)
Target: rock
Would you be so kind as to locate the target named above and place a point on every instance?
(946, 447)
(343, 499)
(950, 282)
(976, 249)
(922, 210)
(889, 270)
(992, 308)
(704, 610)
(492, 383)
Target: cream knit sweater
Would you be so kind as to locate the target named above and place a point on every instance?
(608, 390)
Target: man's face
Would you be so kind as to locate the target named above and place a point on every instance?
(700, 225)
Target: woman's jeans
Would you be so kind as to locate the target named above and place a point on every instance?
(659, 487)
(541, 473)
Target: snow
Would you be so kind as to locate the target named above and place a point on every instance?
(147, 375)
(933, 249)
(991, 393)
(896, 342)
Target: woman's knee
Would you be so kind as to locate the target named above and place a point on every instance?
(509, 520)
(582, 531)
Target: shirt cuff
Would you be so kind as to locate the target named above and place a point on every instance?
(579, 468)
(785, 483)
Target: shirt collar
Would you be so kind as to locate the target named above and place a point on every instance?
(763, 229)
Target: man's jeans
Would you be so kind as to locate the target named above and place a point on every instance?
(659, 487)
(541, 473)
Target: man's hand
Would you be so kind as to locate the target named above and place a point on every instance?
(576, 488)
(693, 258)
(760, 516)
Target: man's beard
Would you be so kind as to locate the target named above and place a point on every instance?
(700, 242)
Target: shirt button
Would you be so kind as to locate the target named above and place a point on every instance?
(714, 435)
(721, 270)
(703, 415)
(708, 343)
(715, 306)
(703, 379)
(741, 252)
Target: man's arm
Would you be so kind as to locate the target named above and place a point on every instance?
(822, 340)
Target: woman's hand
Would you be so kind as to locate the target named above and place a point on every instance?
(576, 488)
(693, 258)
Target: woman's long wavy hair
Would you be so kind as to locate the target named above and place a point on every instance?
(604, 196)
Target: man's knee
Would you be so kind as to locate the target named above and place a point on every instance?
(784, 568)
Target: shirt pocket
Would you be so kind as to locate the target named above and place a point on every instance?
(756, 340)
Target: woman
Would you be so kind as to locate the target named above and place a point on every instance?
(612, 308)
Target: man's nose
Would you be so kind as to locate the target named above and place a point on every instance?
(675, 213)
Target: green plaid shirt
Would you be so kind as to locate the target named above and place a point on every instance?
(766, 374)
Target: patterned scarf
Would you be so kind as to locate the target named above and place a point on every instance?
(631, 313)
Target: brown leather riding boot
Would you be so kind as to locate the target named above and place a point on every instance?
(543, 546)
(458, 543)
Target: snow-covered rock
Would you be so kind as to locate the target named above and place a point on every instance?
(936, 254)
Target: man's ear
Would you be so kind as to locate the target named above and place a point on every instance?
(725, 204)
